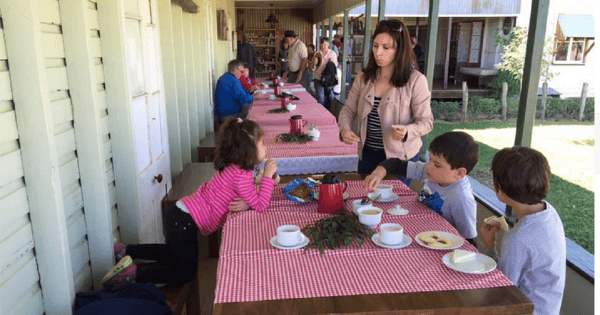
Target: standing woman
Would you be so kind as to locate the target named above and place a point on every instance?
(324, 93)
(283, 55)
(391, 100)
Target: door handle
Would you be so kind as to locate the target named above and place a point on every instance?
(158, 178)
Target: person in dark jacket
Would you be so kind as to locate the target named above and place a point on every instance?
(247, 53)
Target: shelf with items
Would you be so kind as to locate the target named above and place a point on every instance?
(265, 42)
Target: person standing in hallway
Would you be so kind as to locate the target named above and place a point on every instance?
(298, 61)
(247, 54)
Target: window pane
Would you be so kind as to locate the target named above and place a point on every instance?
(577, 51)
(561, 51)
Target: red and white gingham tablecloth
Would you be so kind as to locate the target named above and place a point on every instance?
(313, 113)
(250, 269)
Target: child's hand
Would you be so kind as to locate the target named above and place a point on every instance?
(372, 181)
(270, 168)
(238, 204)
(488, 234)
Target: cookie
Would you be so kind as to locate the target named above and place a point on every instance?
(441, 243)
(430, 237)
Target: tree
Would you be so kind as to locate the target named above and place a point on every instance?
(510, 69)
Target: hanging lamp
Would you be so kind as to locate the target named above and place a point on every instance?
(272, 18)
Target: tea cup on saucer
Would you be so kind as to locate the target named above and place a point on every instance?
(391, 233)
(358, 203)
(369, 215)
(385, 191)
(289, 235)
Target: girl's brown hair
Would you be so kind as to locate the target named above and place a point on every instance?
(404, 60)
(236, 144)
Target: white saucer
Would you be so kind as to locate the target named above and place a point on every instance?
(406, 240)
(390, 199)
(478, 265)
(397, 210)
(302, 243)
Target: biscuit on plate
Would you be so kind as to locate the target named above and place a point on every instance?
(441, 243)
(429, 237)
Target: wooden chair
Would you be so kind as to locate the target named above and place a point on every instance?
(206, 149)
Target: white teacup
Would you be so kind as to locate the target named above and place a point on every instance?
(369, 215)
(391, 233)
(385, 191)
(290, 107)
(263, 92)
(281, 84)
(289, 235)
(356, 204)
(272, 97)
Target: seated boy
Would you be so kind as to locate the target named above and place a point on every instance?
(533, 252)
(452, 156)
(247, 82)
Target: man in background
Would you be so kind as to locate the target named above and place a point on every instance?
(231, 100)
(247, 54)
(298, 59)
(419, 52)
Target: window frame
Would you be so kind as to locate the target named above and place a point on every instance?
(570, 40)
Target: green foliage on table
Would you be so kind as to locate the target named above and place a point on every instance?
(300, 137)
(277, 111)
(336, 231)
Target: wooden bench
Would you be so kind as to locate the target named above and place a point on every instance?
(194, 295)
(206, 149)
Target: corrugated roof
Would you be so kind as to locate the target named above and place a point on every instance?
(447, 8)
(576, 25)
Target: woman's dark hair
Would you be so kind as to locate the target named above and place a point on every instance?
(319, 59)
(522, 173)
(404, 60)
(237, 144)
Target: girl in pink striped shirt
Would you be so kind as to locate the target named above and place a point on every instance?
(239, 150)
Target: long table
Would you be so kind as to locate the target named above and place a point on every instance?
(255, 278)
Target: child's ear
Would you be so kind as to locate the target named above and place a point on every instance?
(461, 172)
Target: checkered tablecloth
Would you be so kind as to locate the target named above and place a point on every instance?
(250, 269)
(313, 113)
(303, 98)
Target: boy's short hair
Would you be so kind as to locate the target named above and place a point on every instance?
(522, 173)
(458, 148)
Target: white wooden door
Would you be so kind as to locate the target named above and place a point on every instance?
(148, 116)
(209, 116)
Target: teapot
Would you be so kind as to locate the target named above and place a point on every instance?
(331, 194)
(296, 124)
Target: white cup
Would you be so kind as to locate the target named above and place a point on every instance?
(263, 92)
(369, 215)
(356, 204)
(290, 107)
(272, 97)
(289, 235)
(391, 233)
(385, 191)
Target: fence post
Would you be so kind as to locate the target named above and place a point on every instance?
(582, 101)
(504, 100)
(465, 97)
(544, 100)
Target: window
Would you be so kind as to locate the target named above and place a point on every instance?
(570, 50)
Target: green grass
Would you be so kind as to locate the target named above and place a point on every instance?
(571, 184)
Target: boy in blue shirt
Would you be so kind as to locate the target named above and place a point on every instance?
(534, 250)
(448, 191)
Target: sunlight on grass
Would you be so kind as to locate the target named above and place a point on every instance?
(569, 150)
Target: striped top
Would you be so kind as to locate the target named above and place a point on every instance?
(374, 138)
(208, 205)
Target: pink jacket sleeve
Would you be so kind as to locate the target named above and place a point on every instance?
(245, 189)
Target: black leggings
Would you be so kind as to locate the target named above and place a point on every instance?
(177, 259)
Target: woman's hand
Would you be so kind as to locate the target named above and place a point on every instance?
(238, 204)
(398, 132)
(349, 137)
(374, 179)
(270, 168)
(488, 234)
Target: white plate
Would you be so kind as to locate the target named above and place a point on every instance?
(346, 195)
(302, 243)
(406, 240)
(390, 199)
(478, 265)
(458, 242)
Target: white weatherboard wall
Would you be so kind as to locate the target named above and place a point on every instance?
(66, 147)
(20, 290)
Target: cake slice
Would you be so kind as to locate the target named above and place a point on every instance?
(459, 256)
(493, 220)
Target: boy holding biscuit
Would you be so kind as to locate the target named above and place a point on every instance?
(533, 252)
(452, 156)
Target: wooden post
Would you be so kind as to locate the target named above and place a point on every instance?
(367, 38)
(582, 101)
(344, 56)
(544, 100)
(381, 11)
(447, 61)
(504, 100)
(465, 101)
(417, 28)
(432, 28)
